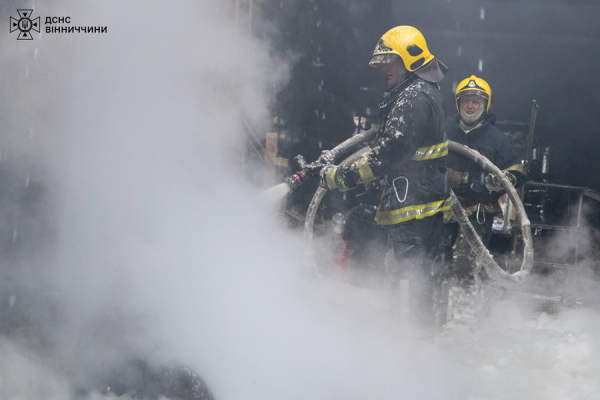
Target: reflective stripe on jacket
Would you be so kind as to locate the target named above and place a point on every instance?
(412, 138)
(410, 142)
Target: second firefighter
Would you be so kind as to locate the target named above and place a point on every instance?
(477, 191)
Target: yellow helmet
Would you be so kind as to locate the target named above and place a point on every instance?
(476, 86)
(407, 43)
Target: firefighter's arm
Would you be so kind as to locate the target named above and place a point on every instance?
(404, 130)
(515, 173)
(493, 182)
(334, 177)
(396, 145)
(510, 164)
(348, 177)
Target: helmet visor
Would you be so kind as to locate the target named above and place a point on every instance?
(379, 59)
(474, 95)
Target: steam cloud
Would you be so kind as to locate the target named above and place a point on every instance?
(158, 249)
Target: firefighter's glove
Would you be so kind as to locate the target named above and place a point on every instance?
(511, 177)
(328, 174)
(333, 177)
(493, 183)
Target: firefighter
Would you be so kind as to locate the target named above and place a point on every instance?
(477, 191)
(408, 161)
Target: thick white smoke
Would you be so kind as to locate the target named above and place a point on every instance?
(162, 251)
(155, 223)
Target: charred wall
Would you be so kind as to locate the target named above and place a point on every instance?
(329, 43)
(525, 49)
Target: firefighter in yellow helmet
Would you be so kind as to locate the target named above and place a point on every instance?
(408, 161)
(477, 191)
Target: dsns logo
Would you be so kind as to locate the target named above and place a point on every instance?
(25, 24)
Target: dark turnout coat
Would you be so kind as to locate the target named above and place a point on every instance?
(466, 177)
(408, 155)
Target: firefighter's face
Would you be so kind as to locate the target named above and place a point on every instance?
(394, 71)
(470, 104)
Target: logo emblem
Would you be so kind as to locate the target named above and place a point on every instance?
(25, 24)
(381, 48)
(472, 84)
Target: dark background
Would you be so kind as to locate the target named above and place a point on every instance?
(546, 50)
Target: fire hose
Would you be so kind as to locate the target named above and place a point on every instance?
(495, 272)
(502, 277)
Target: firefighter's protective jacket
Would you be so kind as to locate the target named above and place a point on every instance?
(408, 155)
(467, 178)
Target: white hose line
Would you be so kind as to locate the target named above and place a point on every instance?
(495, 272)
(502, 277)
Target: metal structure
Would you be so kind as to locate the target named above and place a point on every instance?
(566, 292)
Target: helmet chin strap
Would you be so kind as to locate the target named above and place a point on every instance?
(471, 120)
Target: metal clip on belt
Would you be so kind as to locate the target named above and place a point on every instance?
(480, 209)
(396, 189)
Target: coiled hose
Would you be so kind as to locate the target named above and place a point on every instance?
(500, 276)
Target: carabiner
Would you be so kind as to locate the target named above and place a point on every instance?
(481, 210)
(396, 189)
